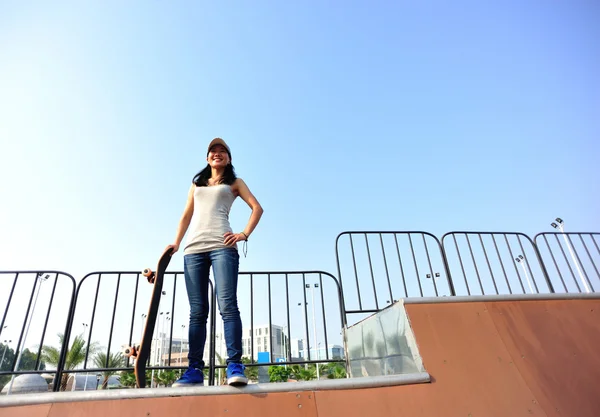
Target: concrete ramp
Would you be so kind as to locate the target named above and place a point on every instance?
(494, 358)
(487, 357)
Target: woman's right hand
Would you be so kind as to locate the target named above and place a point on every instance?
(174, 246)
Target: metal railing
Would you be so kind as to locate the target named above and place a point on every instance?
(503, 263)
(292, 283)
(570, 257)
(111, 305)
(410, 263)
(133, 307)
(375, 269)
(22, 303)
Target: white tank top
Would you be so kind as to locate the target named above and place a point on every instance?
(210, 220)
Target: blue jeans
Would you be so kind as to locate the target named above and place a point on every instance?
(225, 264)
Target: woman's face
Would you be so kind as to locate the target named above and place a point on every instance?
(218, 157)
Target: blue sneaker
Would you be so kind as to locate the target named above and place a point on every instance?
(192, 377)
(235, 374)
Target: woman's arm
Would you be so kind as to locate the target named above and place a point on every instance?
(186, 217)
(240, 187)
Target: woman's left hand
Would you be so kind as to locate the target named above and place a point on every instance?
(232, 238)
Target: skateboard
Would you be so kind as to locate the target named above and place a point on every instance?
(141, 353)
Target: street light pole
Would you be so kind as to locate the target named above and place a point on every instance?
(316, 341)
(560, 226)
(142, 329)
(168, 319)
(162, 337)
(521, 260)
(6, 342)
(85, 325)
(285, 343)
(42, 279)
(304, 340)
(5, 347)
(181, 344)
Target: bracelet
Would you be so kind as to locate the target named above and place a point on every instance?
(245, 235)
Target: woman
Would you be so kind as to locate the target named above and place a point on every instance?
(211, 242)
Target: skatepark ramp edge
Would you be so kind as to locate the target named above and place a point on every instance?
(252, 389)
(502, 355)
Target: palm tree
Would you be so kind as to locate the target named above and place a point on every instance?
(75, 355)
(295, 371)
(166, 378)
(307, 374)
(301, 374)
(336, 371)
(115, 360)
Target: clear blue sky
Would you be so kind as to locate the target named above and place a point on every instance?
(430, 116)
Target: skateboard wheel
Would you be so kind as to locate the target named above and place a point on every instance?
(128, 351)
(149, 274)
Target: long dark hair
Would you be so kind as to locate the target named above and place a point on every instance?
(201, 178)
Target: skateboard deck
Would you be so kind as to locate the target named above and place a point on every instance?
(141, 353)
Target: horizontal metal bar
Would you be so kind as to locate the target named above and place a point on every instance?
(26, 372)
(287, 363)
(363, 311)
(502, 297)
(386, 232)
(35, 271)
(148, 368)
(253, 389)
(279, 272)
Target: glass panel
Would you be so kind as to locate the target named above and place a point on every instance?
(383, 344)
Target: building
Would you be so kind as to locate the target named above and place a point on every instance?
(335, 352)
(264, 339)
(160, 350)
(297, 346)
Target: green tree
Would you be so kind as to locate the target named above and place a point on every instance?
(9, 356)
(6, 365)
(115, 360)
(27, 362)
(75, 355)
(278, 373)
(127, 379)
(4, 380)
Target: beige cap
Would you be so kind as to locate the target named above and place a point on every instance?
(218, 141)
